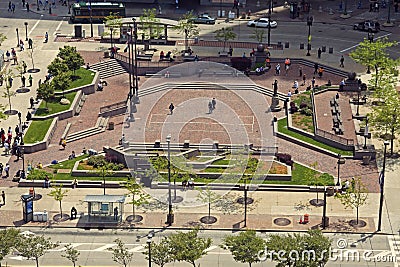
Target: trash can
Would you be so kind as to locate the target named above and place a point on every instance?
(330, 191)
(326, 221)
(301, 45)
(111, 125)
(330, 50)
(196, 40)
(83, 33)
(106, 54)
(286, 44)
(323, 49)
(78, 31)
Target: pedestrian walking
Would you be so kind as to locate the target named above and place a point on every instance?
(9, 6)
(23, 79)
(319, 52)
(214, 103)
(15, 60)
(320, 72)
(342, 62)
(3, 196)
(7, 170)
(24, 66)
(30, 43)
(171, 109)
(304, 79)
(278, 69)
(31, 101)
(230, 51)
(300, 71)
(210, 107)
(63, 143)
(13, 7)
(27, 7)
(316, 68)
(10, 81)
(116, 213)
(8, 55)
(313, 82)
(1, 79)
(30, 79)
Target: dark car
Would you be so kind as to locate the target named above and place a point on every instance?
(368, 25)
(203, 19)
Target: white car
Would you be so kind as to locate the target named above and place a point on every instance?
(262, 23)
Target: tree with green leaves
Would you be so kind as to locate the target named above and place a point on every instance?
(224, 35)
(57, 66)
(58, 194)
(188, 27)
(160, 253)
(373, 54)
(308, 250)
(71, 254)
(258, 34)
(104, 170)
(8, 238)
(34, 246)
(2, 38)
(138, 197)
(120, 253)
(355, 196)
(8, 73)
(207, 196)
(45, 92)
(61, 82)
(188, 247)
(71, 58)
(244, 247)
(113, 22)
(150, 24)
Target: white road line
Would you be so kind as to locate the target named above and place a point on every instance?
(34, 26)
(392, 240)
(58, 27)
(354, 46)
(211, 248)
(136, 249)
(105, 247)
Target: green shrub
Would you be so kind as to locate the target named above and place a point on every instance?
(97, 161)
(37, 174)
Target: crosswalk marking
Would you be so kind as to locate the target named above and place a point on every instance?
(105, 247)
(394, 244)
(137, 249)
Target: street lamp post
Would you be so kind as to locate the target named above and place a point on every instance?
(358, 102)
(37, 5)
(388, 22)
(149, 240)
(136, 98)
(366, 133)
(382, 184)
(69, 7)
(170, 218)
(324, 219)
(26, 31)
(269, 23)
(17, 37)
(340, 161)
(245, 203)
(309, 24)
(91, 19)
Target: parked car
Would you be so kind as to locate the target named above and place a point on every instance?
(262, 23)
(203, 19)
(367, 25)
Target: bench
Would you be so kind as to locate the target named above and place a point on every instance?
(338, 130)
(334, 102)
(336, 110)
(144, 57)
(170, 59)
(223, 73)
(153, 75)
(189, 58)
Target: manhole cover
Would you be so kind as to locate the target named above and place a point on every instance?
(249, 200)
(317, 202)
(134, 218)
(61, 218)
(11, 112)
(208, 219)
(33, 70)
(23, 90)
(360, 224)
(282, 221)
(177, 199)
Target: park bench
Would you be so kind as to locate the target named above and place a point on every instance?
(223, 73)
(189, 58)
(144, 57)
(153, 75)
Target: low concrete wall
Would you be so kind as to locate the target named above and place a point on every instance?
(43, 145)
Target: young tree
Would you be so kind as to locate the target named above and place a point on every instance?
(57, 66)
(259, 35)
(187, 27)
(355, 197)
(188, 246)
(33, 246)
(244, 247)
(8, 239)
(315, 178)
(2, 38)
(45, 92)
(58, 194)
(8, 93)
(138, 197)
(114, 23)
(30, 55)
(160, 253)
(207, 196)
(61, 82)
(71, 254)
(121, 254)
(225, 34)
(150, 24)
(104, 170)
(71, 58)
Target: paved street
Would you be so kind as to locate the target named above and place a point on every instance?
(327, 30)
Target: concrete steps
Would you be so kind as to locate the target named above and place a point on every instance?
(100, 127)
(109, 68)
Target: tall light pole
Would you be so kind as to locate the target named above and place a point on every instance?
(382, 185)
(91, 18)
(245, 202)
(366, 133)
(269, 23)
(148, 241)
(170, 216)
(37, 5)
(388, 22)
(309, 24)
(26, 30)
(340, 161)
(358, 102)
(17, 37)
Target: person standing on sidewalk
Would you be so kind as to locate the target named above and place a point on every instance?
(30, 79)
(7, 170)
(214, 103)
(3, 196)
(210, 107)
(319, 52)
(32, 101)
(171, 109)
(342, 62)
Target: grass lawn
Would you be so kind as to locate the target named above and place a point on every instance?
(68, 164)
(85, 77)
(37, 131)
(282, 127)
(54, 105)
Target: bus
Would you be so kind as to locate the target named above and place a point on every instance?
(80, 12)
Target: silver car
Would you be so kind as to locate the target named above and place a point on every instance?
(262, 23)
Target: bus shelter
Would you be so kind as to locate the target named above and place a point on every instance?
(105, 208)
